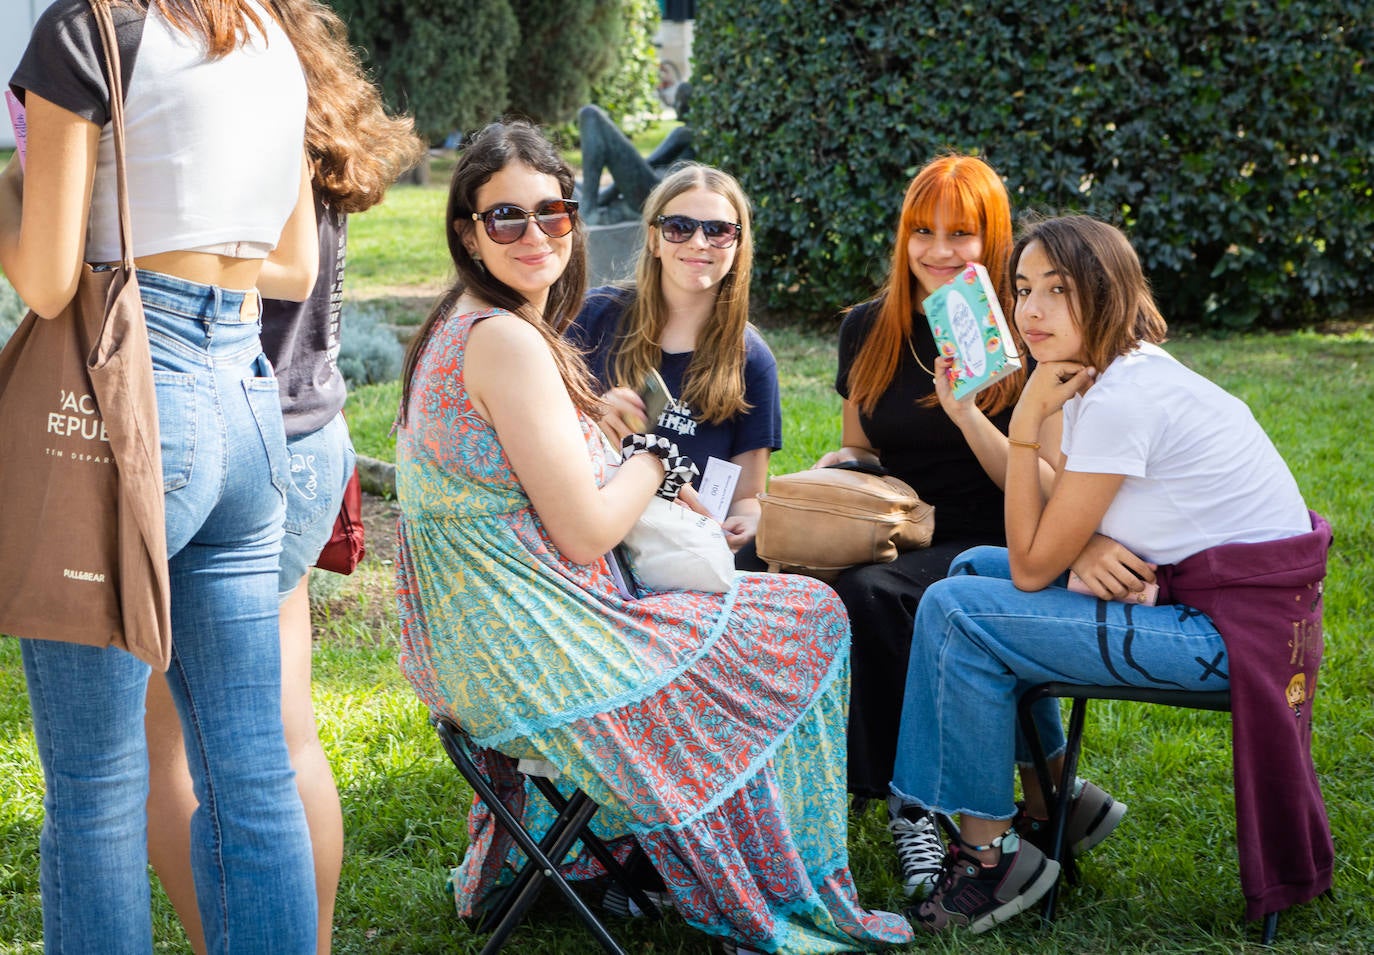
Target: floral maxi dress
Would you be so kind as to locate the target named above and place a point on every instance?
(709, 726)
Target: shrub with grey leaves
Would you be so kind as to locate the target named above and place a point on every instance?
(12, 310)
(369, 352)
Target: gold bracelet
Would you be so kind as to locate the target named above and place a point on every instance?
(1033, 445)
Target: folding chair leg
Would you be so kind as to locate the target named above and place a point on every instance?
(1271, 929)
(572, 819)
(1062, 802)
(1051, 789)
(1037, 749)
(601, 852)
(528, 880)
(543, 864)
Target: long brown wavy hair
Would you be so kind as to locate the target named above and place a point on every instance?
(1110, 300)
(223, 24)
(356, 149)
(488, 152)
(972, 197)
(714, 381)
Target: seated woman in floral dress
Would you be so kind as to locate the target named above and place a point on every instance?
(709, 726)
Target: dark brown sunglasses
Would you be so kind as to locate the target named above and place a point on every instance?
(506, 223)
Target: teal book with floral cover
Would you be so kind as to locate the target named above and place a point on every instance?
(969, 327)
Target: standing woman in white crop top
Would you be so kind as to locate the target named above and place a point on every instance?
(357, 150)
(221, 206)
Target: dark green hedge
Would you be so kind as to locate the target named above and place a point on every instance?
(1233, 140)
(627, 91)
(443, 61)
(565, 44)
(458, 64)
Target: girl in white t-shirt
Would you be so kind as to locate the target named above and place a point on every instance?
(1152, 464)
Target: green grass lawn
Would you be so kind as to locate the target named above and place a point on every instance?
(1165, 882)
(1168, 880)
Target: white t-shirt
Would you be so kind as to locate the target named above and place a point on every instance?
(1199, 469)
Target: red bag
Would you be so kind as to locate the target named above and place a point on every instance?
(345, 547)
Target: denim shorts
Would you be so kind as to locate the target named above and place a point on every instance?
(321, 463)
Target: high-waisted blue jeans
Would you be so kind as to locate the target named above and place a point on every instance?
(224, 470)
(979, 643)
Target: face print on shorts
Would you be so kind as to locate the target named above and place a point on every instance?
(303, 476)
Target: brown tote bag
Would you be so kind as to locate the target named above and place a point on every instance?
(83, 546)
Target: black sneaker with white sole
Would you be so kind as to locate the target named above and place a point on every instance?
(1093, 814)
(977, 896)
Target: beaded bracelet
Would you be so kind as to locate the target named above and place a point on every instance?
(994, 844)
(677, 467)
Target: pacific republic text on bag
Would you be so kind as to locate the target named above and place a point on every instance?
(83, 545)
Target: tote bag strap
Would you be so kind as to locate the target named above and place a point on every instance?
(105, 21)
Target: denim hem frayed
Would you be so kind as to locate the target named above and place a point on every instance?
(908, 800)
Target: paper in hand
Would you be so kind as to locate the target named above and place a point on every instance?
(718, 486)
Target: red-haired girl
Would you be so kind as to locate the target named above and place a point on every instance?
(899, 414)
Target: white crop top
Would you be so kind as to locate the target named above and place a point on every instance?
(214, 146)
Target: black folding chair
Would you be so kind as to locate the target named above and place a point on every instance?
(543, 858)
(1219, 701)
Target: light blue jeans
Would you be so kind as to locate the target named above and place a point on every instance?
(224, 471)
(979, 643)
(320, 464)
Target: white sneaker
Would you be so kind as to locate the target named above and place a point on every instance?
(919, 849)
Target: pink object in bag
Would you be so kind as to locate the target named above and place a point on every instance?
(21, 126)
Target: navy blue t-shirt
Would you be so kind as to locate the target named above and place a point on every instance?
(596, 329)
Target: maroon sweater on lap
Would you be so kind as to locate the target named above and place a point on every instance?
(1266, 601)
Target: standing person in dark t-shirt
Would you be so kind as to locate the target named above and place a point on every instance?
(687, 316)
(898, 413)
(356, 152)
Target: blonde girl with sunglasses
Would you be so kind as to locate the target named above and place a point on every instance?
(686, 316)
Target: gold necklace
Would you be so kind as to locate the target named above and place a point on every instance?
(912, 349)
